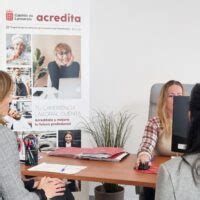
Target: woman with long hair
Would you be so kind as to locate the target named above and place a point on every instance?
(158, 131)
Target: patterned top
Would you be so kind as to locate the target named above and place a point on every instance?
(154, 141)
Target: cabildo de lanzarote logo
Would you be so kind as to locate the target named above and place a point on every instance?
(9, 15)
(66, 17)
(12, 16)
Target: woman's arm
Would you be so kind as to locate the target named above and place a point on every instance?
(53, 70)
(11, 185)
(76, 69)
(150, 137)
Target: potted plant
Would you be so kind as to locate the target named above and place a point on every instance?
(108, 130)
(39, 71)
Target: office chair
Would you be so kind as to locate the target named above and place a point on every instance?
(154, 95)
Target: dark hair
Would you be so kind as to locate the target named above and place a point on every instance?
(193, 140)
(68, 133)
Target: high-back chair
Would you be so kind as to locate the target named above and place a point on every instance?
(154, 95)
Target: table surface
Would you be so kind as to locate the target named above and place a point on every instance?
(100, 171)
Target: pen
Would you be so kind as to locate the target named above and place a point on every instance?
(31, 156)
(63, 169)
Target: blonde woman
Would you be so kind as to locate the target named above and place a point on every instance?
(11, 185)
(158, 131)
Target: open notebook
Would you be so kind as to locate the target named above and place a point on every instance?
(58, 168)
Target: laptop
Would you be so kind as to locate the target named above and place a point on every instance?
(180, 126)
(69, 88)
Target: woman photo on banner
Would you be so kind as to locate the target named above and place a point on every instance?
(18, 49)
(67, 139)
(64, 65)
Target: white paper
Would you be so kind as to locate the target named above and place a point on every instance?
(58, 168)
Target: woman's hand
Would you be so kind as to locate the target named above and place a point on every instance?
(13, 56)
(143, 158)
(59, 61)
(64, 61)
(69, 60)
(52, 186)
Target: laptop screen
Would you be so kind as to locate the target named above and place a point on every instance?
(69, 88)
(180, 123)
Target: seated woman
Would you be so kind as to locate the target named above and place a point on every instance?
(179, 178)
(158, 133)
(64, 65)
(11, 184)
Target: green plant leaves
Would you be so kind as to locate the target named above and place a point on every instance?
(108, 129)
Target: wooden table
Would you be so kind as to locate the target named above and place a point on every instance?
(101, 171)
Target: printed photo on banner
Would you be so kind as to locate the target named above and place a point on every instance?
(20, 144)
(22, 82)
(19, 116)
(46, 140)
(56, 66)
(18, 49)
(69, 138)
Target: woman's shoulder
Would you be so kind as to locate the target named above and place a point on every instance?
(173, 162)
(155, 120)
(52, 64)
(178, 164)
(5, 133)
(4, 129)
(179, 173)
(75, 64)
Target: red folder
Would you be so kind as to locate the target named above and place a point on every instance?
(97, 153)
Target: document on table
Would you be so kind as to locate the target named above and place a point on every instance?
(58, 168)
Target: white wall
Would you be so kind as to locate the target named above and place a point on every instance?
(136, 43)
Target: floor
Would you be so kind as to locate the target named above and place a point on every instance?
(129, 194)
